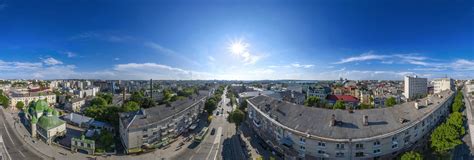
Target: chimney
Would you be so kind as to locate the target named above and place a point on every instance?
(417, 106)
(427, 102)
(333, 120)
(365, 120)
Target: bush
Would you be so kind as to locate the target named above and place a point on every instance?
(412, 156)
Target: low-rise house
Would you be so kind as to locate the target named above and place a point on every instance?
(77, 119)
(318, 91)
(75, 105)
(349, 101)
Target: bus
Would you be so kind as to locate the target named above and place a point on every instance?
(200, 136)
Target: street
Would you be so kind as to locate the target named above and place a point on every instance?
(224, 144)
(16, 149)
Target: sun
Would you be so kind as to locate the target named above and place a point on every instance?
(238, 47)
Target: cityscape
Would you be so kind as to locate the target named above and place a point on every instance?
(237, 80)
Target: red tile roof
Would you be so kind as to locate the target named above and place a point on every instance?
(345, 98)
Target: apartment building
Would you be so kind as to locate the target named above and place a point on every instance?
(415, 87)
(442, 84)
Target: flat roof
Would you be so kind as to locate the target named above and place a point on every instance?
(315, 121)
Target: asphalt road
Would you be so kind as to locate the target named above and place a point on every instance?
(15, 147)
(224, 144)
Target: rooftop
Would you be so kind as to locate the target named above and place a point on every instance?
(350, 125)
(159, 113)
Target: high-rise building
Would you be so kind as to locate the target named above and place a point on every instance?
(415, 87)
(442, 84)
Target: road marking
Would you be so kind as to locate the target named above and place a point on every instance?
(219, 131)
(8, 134)
(21, 153)
(1, 141)
(190, 158)
(216, 141)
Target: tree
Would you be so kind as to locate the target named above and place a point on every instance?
(243, 104)
(456, 120)
(136, 97)
(210, 105)
(366, 106)
(148, 102)
(312, 101)
(236, 116)
(412, 155)
(20, 105)
(339, 105)
(444, 138)
(130, 106)
(107, 97)
(390, 102)
(4, 101)
(98, 101)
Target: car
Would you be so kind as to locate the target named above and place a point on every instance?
(213, 131)
(217, 113)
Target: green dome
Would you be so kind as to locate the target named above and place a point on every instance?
(55, 113)
(40, 105)
(34, 120)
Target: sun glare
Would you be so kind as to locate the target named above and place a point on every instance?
(238, 47)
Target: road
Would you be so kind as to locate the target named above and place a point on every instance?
(223, 145)
(15, 147)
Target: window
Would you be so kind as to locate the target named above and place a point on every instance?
(145, 135)
(339, 154)
(416, 134)
(302, 140)
(423, 123)
(394, 146)
(394, 138)
(359, 154)
(377, 143)
(406, 139)
(321, 152)
(377, 151)
(407, 132)
(359, 146)
(340, 146)
(321, 144)
(302, 148)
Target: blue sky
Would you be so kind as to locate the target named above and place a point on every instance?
(192, 39)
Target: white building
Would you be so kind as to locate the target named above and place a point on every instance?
(442, 84)
(75, 105)
(470, 86)
(415, 87)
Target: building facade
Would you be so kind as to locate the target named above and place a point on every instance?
(415, 87)
(442, 84)
(27, 99)
(157, 126)
(365, 134)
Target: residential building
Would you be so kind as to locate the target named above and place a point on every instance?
(318, 91)
(415, 87)
(338, 134)
(349, 101)
(442, 84)
(75, 105)
(156, 126)
(31, 97)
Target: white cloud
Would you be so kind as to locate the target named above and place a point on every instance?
(363, 57)
(293, 65)
(116, 58)
(163, 50)
(51, 61)
(70, 54)
(211, 58)
(463, 64)
(102, 36)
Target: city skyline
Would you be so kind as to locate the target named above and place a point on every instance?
(236, 40)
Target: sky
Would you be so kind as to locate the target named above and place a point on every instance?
(236, 40)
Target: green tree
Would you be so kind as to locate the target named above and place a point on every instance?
(412, 155)
(390, 102)
(107, 97)
(20, 105)
(339, 105)
(130, 106)
(366, 106)
(4, 101)
(137, 97)
(243, 104)
(312, 101)
(456, 120)
(98, 101)
(148, 102)
(210, 105)
(444, 138)
(237, 116)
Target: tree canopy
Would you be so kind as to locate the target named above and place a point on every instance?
(412, 155)
(444, 138)
(20, 105)
(130, 106)
(237, 116)
(339, 105)
(312, 101)
(390, 102)
(98, 101)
